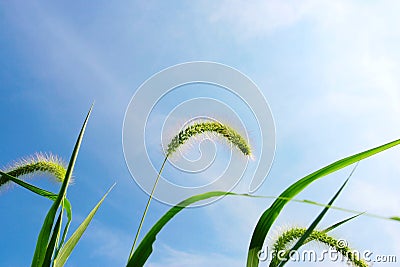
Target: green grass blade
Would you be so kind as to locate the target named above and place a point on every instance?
(67, 249)
(313, 225)
(53, 241)
(146, 209)
(30, 187)
(64, 235)
(269, 216)
(275, 260)
(303, 239)
(44, 235)
(143, 251)
(336, 225)
(65, 231)
(41, 192)
(307, 201)
(68, 209)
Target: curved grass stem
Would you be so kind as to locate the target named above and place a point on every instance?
(227, 132)
(147, 207)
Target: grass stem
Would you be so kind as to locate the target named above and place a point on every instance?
(147, 207)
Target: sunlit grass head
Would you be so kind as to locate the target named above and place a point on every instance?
(198, 128)
(39, 163)
(288, 237)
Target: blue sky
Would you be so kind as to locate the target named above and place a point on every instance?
(329, 70)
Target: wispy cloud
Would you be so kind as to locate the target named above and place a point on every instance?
(176, 258)
(359, 104)
(108, 243)
(256, 18)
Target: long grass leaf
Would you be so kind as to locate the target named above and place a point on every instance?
(269, 216)
(313, 225)
(146, 209)
(279, 246)
(307, 201)
(44, 235)
(53, 241)
(143, 251)
(303, 239)
(64, 235)
(67, 205)
(30, 187)
(41, 192)
(67, 249)
(336, 225)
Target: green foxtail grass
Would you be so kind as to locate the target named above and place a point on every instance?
(51, 250)
(231, 135)
(285, 240)
(39, 163)
(270, 215)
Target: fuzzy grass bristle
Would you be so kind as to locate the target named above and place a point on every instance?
(225, 131)
(39, 163)
(288, 237)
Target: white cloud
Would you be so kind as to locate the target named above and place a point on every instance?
(356, 53)
(108, 243)
(252, 18)
(261, 18)
(377, 198)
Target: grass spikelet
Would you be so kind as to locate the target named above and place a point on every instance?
(229, 133)
(287, 238)
(38, 163)
(184, 135)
